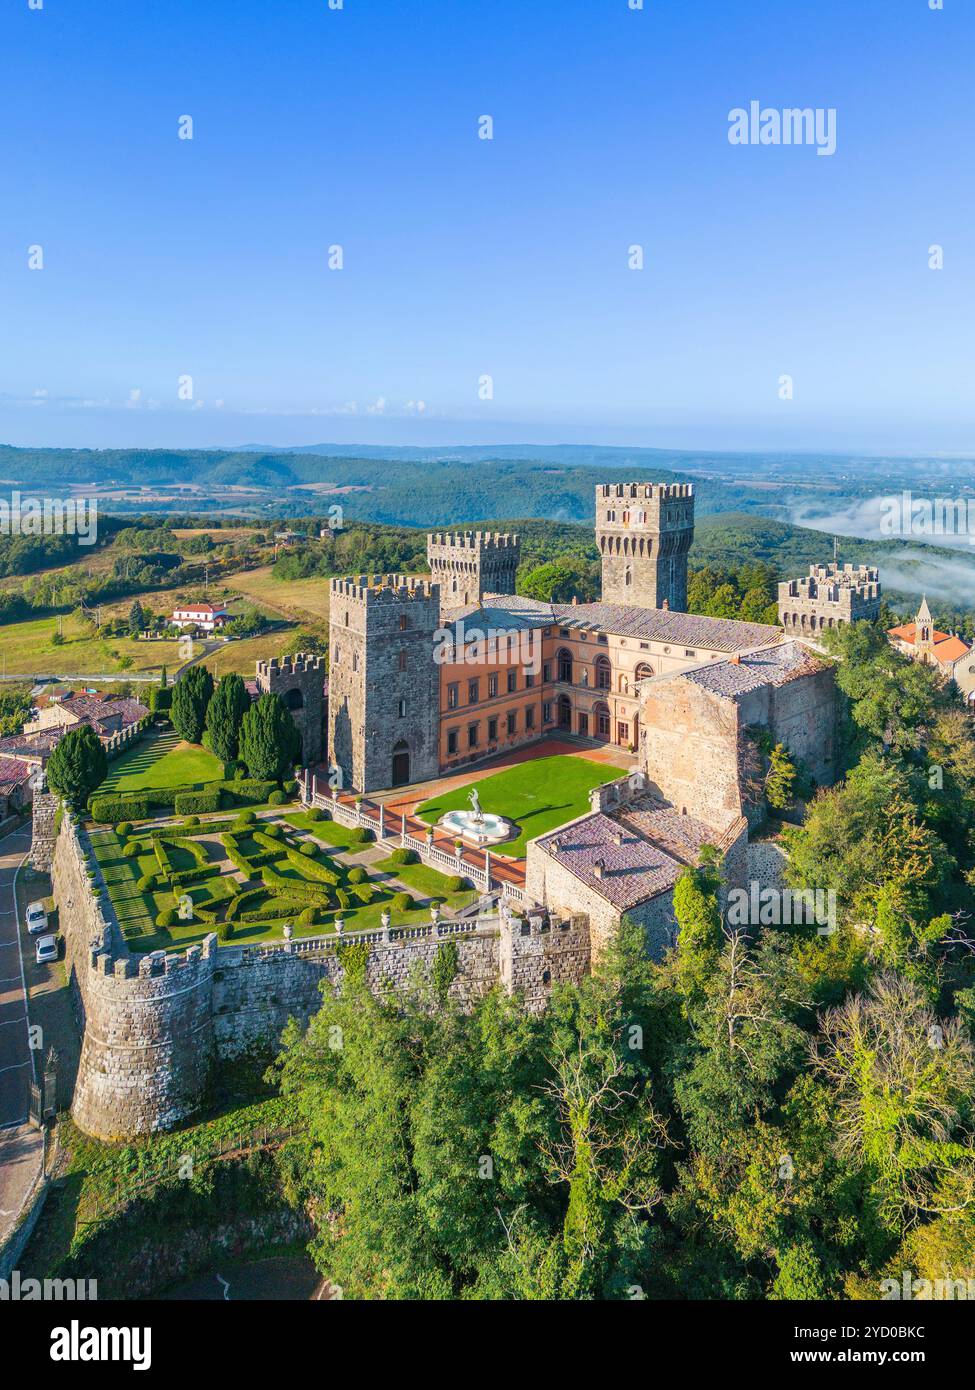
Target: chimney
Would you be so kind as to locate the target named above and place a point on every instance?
(735, 660)
(618, 838)
(597, 868)
(666, 604)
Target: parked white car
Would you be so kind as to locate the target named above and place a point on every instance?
(46, 949)
(36, 918)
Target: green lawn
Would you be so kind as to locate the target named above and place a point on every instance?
(429, 883)
(162, 760)
(539, 795)
(331, 831)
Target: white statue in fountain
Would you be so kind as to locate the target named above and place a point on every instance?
(476, 812)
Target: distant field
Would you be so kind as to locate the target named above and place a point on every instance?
(303, 599)
(28, 648)
(240, 657)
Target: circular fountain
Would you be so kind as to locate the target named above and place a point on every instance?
(476, 826)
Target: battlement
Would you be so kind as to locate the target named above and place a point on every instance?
(473, 540)
(384, 589)
(658, 492)
(829, 595)
(302, 664)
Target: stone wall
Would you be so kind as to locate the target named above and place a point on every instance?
(153, 1026)
(43, 815)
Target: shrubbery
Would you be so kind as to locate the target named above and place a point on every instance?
(402, 902)
(276, 798)
(357, 875)
(166, 918)
(207, 800)
(404, 856)
(315, 813)
(456, 884)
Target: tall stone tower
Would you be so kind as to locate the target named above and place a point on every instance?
(300, 681)
(644, 531)
(469, 564)
(383, 680)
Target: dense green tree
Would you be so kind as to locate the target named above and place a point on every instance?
(269, 741)
(224, 716)
(77, 766)
(191, 696)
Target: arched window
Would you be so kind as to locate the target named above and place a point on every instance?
(565, 665)
(643, 671)
(604, 673)
(294, 699)
(565, 713)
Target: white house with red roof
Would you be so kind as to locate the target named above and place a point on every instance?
(200, 615)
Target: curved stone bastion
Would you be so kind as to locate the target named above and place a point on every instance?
(154, 1026)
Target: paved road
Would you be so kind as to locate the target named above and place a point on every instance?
(20, 1144)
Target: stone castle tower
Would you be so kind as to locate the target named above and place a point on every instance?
(829, 596)
(469, 564)
(644, 531)
(300, 681)
(384, 680)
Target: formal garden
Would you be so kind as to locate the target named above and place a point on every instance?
(249, 875)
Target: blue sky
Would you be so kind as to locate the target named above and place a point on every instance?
(466, 258)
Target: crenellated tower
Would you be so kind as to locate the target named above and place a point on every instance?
(469, 564)
(644, 531)
(384, 681)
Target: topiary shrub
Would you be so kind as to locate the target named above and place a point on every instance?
(307, 849)
(225, 931)
(277, 798)
(166, 918)
(146, 882)
(124, 828)
(273, 830)
(207, 800)
(402, 902)
(404, 856)
(290, 787)
(315, 813)
(130, 850)
(456, 884)
(307, 917)
(191, 820)
(357, 875)
(360, 835)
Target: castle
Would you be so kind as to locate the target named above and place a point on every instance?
(829, 596)
(432, 674)
(428, 675)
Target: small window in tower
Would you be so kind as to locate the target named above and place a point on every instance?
(402, 661)
(347, 617)
(355, 661)
(402, 709)
(404, 622)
